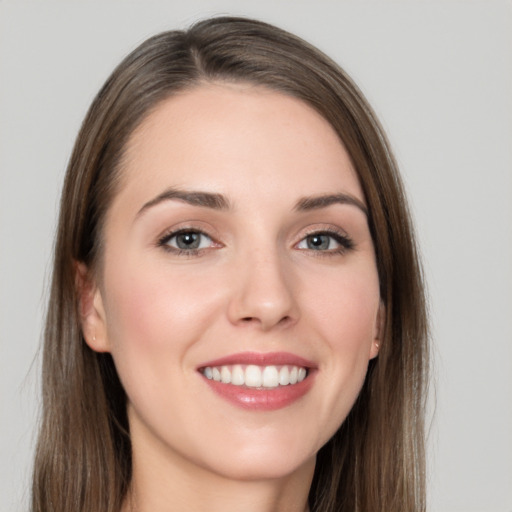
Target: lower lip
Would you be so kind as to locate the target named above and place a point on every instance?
(259, 399)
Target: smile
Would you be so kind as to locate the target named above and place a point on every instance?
(253, 376)
(260, 382)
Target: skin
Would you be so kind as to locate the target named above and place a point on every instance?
(256, 284)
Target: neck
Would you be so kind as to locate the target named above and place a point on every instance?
(163, 484)
(228, 497)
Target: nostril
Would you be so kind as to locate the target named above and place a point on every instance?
(249, 319)
(285, 319)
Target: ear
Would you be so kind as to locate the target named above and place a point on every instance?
(91, 310)
(379, 331)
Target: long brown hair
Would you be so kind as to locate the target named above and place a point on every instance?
(376, 461)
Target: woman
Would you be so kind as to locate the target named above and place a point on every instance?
(237, 318)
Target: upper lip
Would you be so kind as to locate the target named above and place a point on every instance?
(261, 359)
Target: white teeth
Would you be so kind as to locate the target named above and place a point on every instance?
(270, 377)
(254, 376)
(225, 375)
(284, 376)
(237, 375)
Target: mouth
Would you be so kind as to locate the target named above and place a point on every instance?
(260, 381)
(254, 376)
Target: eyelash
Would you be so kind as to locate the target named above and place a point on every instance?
(164, 241)
(342, 239)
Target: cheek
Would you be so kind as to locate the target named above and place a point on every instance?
(153, 317)
(148, 305)
(346, 320)
(347, 312)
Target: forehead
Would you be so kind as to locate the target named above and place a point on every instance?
(240, 140)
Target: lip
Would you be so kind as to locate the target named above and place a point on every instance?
(261, 359)
(261, 399)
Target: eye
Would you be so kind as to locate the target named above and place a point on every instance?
(325, 241)
(186, 240)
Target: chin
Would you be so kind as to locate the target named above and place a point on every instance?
(262, 467)
(260, 458)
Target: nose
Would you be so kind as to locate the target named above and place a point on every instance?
(263, 292)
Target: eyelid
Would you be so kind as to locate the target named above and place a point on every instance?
(329, 229)
(341, 237)
(163, 239)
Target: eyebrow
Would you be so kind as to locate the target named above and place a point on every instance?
(323, 201)
(194, 198)
(220, 202)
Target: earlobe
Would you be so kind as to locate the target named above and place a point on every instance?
(91, 310)
(379, 331)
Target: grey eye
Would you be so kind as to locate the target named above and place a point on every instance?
(319, 242)
(189, 240)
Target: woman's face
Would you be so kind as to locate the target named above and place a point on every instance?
(237, 248)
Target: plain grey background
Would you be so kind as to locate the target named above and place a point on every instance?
(439, 75)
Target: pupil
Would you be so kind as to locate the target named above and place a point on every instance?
(188, 241)
(318, 242)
